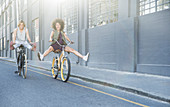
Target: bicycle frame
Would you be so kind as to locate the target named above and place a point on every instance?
(58, 64)
(60, 57)
(22, 61)
(21, 51)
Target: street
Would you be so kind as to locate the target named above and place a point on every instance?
(39, 89)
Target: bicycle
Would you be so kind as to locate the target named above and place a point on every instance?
(22, 62)
(61, 63)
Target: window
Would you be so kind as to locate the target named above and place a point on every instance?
(7, 47)
(0, 21)
(11, 35)
(4, 43)
(150, 6)
(0, 10)
(4, 18)
(70, 15)
(35, 24)
(12, 11)
(8, 15)
(163, 4)
(1, 44)
(102, 12)
(0, 16)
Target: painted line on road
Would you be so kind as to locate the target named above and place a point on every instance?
(94, 90)
(90, 88)
(108, 94)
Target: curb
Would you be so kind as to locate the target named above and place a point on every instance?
(131, 90)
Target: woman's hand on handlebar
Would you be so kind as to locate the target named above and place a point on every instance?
(72, 42)
(13, 43)
(51, 40)
(31, 43)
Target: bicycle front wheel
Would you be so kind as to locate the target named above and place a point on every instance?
(55, 68)
(24, 66)
(19, 60)
(65, 69)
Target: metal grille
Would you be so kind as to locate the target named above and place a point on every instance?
(102, 12)
(70, 15)
(151, 6)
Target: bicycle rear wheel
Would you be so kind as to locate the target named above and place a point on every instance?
(54, 68)
(65, 69)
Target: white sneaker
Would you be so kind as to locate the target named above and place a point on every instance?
(40, 56)
(85, 58)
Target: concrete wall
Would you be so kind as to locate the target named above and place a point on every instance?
(112, 46)
(102, 46)
(154, 43)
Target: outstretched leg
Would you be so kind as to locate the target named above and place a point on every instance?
(50, 49)
(41, 56)
(68, 49)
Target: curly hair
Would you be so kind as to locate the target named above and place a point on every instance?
(60, 21)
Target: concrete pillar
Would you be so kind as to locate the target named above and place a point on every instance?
(127, 8)
(29, 25)
(1, 28)
(16, 20)
(41, 30)
(128, 12)
(83, 24)
(134, 7)
(123, 9)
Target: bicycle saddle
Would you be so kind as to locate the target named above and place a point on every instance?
(57, 51)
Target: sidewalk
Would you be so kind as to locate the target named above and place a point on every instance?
(153, 86)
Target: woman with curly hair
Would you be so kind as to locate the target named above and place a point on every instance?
(58, 34)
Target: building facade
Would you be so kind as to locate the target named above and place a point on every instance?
(123, 35)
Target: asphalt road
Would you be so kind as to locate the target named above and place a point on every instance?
(41, 90)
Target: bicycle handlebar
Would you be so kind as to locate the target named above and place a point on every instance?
(60, 44)
(22, 44)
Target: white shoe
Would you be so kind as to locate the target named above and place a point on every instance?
(40, 56)
(85, 58)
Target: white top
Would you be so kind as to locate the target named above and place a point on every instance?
(21, 36)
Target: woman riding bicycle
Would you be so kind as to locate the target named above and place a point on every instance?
(58, 34)
(19, 38)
